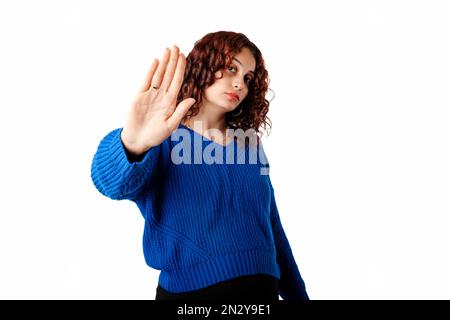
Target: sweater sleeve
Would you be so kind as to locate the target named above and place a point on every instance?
(291, 285)
(115, 173)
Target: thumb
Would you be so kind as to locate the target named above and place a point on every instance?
(179, 113)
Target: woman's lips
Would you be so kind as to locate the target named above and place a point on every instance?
(233, 96)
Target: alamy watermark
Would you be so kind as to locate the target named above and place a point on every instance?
(187, 152)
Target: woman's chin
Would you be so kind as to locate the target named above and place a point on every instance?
(227, 108)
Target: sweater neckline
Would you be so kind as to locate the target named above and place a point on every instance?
(207, 139)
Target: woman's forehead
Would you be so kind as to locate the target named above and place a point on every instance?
(245, 58)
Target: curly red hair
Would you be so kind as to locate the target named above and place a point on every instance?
(214, 52)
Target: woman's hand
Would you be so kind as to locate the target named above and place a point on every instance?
(154, 114)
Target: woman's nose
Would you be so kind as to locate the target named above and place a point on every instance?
(238, 83)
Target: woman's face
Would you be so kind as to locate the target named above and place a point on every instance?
(230, 90)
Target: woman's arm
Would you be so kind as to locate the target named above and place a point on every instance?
(126, 157)
(117, 173)
(292, 286)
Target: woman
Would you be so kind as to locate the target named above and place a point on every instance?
(211, 222)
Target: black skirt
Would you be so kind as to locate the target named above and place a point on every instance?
(251, 288)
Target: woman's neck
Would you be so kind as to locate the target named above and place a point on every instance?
(205, 121)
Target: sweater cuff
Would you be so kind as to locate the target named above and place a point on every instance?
(116, 175)
(139, 159)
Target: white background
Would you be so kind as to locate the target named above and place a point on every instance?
(359, 147)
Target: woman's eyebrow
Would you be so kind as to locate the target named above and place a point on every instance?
(241, 65)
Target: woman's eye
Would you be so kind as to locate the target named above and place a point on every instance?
(248, 79)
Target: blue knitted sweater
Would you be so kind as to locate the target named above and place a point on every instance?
(206, 221)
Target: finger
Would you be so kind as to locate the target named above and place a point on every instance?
(168, 75)
(179, 76)
(157, 79)
(180, 111)
(149, 76)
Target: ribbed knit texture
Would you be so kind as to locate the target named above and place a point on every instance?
(205, 222)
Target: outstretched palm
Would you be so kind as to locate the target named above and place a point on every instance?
(154, 114)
